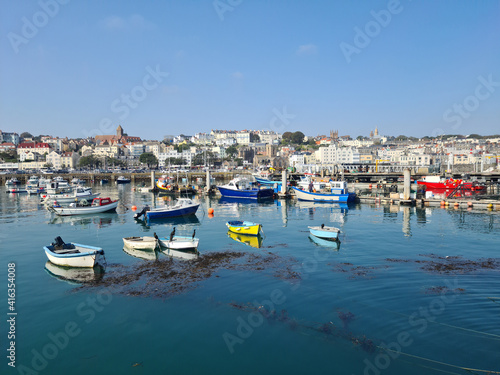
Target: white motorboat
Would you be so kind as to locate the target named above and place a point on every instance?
(77, 195)
(98, 205)
(74, 254)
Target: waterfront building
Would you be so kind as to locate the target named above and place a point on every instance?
(9, 137)
(39, 148)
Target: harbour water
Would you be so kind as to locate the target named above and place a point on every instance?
(407, 291)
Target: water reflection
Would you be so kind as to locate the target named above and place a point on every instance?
(252, 241)
(100, 220)
(334, 245)
(140, 253)
(183, 221)
(75, 275)
(244, 201)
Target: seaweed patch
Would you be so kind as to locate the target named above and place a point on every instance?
(168, 277)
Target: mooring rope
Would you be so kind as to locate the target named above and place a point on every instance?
(439, 362)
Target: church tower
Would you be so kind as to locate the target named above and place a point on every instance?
(119, 131)
(376, 130)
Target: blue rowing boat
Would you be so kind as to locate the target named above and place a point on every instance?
(323, 197)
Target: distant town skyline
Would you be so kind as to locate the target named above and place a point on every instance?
(426, 68)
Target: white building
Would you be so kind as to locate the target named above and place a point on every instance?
(337, 155)
(243, 138)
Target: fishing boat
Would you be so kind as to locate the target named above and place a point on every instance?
(241, 187)
(76, 181)
(144, 243)
(75, 275)
(252, 241)
(306, 181)
(323, 197)
(122, 180)
(437, 183)
(182, 207)
(16, 190)
(79, 194)
(98, 205)
(180, 242)
(74, 254)
(12, 182)
(327, 233)
(244, 227)
(34, 189)
(33, 180)
(265, 181)
(61, 182)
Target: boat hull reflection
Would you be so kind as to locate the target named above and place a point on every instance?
(252, 241)
(75, 275)
(334, 245)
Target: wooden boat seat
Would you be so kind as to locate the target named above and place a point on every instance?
(64, 251)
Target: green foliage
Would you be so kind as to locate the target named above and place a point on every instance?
(298, 137)
(89, 162)
(149, 159)
(254, 137)
(9, 157)
(26, 135)
(231, 151)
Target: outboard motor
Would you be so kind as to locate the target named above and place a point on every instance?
(172, 234)
(58, 243)
(194, 234)
(143, 212)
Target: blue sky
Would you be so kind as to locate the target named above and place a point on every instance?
(79, 68)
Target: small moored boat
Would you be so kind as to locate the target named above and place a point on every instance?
(143, 243)
(327, 233)
(183, 207)
(180, 242)
(321, 197)
(242, 188)
(98, 205)
(74, 254)
(244, 227)
(122, 180)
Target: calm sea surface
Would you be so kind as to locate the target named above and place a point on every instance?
(408, 291)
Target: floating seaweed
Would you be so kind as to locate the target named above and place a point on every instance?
(451, 264)
(356, 271)
(443, 290)
(164, 278)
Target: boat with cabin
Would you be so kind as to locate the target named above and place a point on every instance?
(182, 207)
(241, 187)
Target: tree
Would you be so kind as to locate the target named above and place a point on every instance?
(89, 162)
(254, 137)
(298, 137)
(231, 151)
(48, 165)
(286, 137)
(149, 159)
(26, 135)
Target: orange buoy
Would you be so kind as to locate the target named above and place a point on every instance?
(134, 208)
(370, 186)
(469, 204)
(211, 211)
(443, 203)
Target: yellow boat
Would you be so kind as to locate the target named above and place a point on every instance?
(253, 241)
(244, 227)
